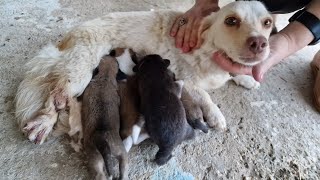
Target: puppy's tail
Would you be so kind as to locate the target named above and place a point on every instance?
(198, 124)
(107, 152)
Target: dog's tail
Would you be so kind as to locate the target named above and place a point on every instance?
(34, 90)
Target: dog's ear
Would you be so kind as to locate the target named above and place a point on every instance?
(135, 69)
(167, 62)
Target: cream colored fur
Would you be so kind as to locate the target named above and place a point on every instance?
(68, 67)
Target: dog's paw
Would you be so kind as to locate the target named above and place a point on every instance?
(216, 120)
(38, 129)
(246, 81)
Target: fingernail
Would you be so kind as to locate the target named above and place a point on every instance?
(192, 44)
(261, 78)
(172, 33)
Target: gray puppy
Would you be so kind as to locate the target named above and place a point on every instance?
(101, 122)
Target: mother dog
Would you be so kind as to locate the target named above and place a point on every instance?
(60, 73)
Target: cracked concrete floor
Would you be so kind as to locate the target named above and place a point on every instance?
(273, 132)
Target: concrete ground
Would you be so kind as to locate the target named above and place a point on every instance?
(273, 132)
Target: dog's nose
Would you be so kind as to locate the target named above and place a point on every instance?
(257, 44)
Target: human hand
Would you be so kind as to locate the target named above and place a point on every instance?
(188, 32)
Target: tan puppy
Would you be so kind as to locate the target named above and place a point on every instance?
(101, 122)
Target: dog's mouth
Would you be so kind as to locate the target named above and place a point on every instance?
(248, 61)
(241, 61)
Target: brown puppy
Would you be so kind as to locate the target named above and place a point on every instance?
(101, 122)
(129, 109)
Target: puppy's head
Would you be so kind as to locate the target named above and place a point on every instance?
(241, 29)
(152, 62)
(107, 66)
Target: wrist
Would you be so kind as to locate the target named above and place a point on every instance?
(207, 5)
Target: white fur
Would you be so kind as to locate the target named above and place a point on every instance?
(125, 62)
(135, 133)
(180, 84)
(70, 68)
(99, 166)
(246, 81)
(128, 142)
(142, 137)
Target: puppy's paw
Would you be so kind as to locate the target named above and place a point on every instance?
(38, 129)
(135, 133)
(246, 81)
(76, 146)
(127, 142)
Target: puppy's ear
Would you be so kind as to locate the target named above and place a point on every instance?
(167, 62)
(135, 69)
(95, 72)
(134, 56)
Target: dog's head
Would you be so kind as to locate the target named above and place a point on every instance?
(241, 29)
(151, 63)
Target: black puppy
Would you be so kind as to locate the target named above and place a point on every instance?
(165, 117)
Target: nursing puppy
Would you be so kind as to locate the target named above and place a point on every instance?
(129, 110)
(165, 119)
(101, 122)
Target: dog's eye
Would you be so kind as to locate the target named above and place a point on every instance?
(232, 21)
(267, 22)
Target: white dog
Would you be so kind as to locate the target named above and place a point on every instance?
(60, 73)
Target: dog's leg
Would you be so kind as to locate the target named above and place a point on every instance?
(246, 81)
(211, 112)
(39, 128)
(74, 116)
(164, 154)
(123, 166)
(75, 131)
(96, 163)
(193, 112)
